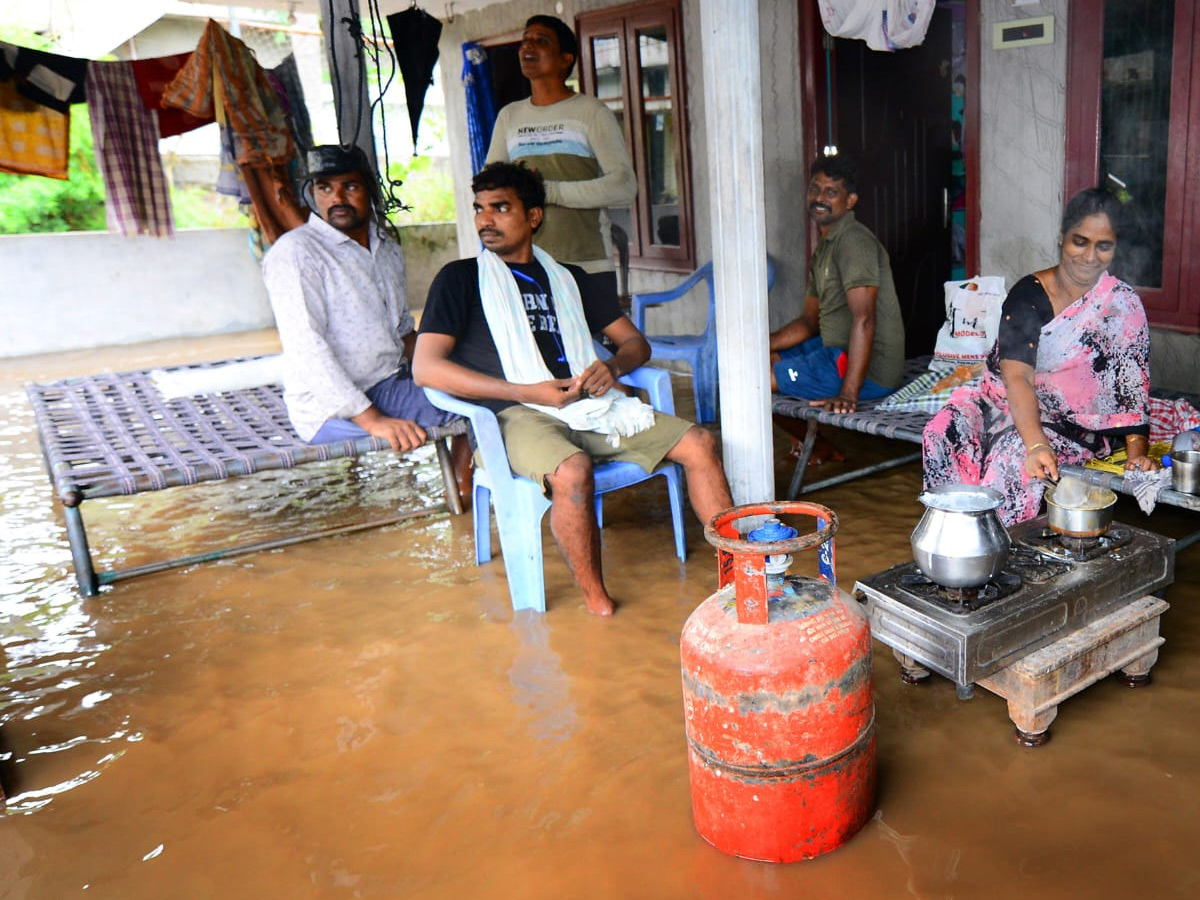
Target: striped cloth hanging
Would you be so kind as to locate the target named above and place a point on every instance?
(125, 135)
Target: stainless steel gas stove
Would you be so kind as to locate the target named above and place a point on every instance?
(1046, 590)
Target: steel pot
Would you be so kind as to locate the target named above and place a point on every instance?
(1185, 471)
(960, 541)
(1083, 521)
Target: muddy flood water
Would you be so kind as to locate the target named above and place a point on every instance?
(365, 716)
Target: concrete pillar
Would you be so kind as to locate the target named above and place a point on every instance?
(347, 72)
(733, 117)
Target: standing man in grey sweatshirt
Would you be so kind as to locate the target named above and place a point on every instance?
(577, 145)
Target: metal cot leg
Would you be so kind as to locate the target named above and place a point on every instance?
(810, 439)
(453, 501)
(81, 556)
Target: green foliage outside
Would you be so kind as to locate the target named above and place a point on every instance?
(32, 203)
(428, 189)
(196, 206)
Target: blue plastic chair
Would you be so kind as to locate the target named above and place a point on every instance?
(699, 351)
(520, 504)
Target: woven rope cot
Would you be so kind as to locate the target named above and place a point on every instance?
(897, 425)
(114, 434)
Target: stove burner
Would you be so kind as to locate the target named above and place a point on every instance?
(1033, 566)
(1076, 549)
(1078, 546)
(1025, 567)
(960, 600)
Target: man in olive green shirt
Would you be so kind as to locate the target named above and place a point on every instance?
(848, 344)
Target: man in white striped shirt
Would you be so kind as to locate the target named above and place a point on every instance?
(337, 287)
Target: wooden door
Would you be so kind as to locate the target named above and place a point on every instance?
(508, 84)
(892, 114)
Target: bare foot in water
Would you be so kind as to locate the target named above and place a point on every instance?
(600, 605)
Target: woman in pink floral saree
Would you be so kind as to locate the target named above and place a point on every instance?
(1068, 377)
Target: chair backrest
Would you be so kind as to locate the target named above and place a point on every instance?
(641, 301)
(710, 327)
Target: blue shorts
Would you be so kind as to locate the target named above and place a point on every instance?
(396, 396)
(814, 372)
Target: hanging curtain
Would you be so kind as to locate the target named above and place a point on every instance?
(883, 24)
(481, 103)
(286, 78)
(34, 139)
(152, 76)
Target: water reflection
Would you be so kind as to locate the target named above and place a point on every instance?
(539, 684)
(907, 848)
(58, 736)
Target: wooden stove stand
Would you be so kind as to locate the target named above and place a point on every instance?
(1124, 641)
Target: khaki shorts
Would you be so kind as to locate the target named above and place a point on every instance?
(538, 443)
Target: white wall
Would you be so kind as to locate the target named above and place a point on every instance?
(90, 289)
(93, 289)
(1022, 145)
(1022, 154)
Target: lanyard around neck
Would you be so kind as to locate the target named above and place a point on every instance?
(562, 351)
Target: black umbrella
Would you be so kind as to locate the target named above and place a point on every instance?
(415, 36)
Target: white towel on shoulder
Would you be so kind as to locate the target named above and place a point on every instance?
(614, 413)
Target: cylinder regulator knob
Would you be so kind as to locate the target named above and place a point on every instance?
(768, 532)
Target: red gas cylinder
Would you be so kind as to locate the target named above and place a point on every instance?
(777, 696)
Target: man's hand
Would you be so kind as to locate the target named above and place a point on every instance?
(402, 434)
(839, 404)
(598, 378)
(556, 393)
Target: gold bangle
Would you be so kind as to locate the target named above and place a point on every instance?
(1029, 450)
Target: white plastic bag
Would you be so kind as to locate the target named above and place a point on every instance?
(972, 320)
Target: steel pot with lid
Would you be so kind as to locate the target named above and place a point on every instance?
(960, 541)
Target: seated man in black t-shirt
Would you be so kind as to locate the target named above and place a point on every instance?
(512, 330)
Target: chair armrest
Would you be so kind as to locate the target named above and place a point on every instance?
(657, 385)
(655, 382)
(483, 425)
